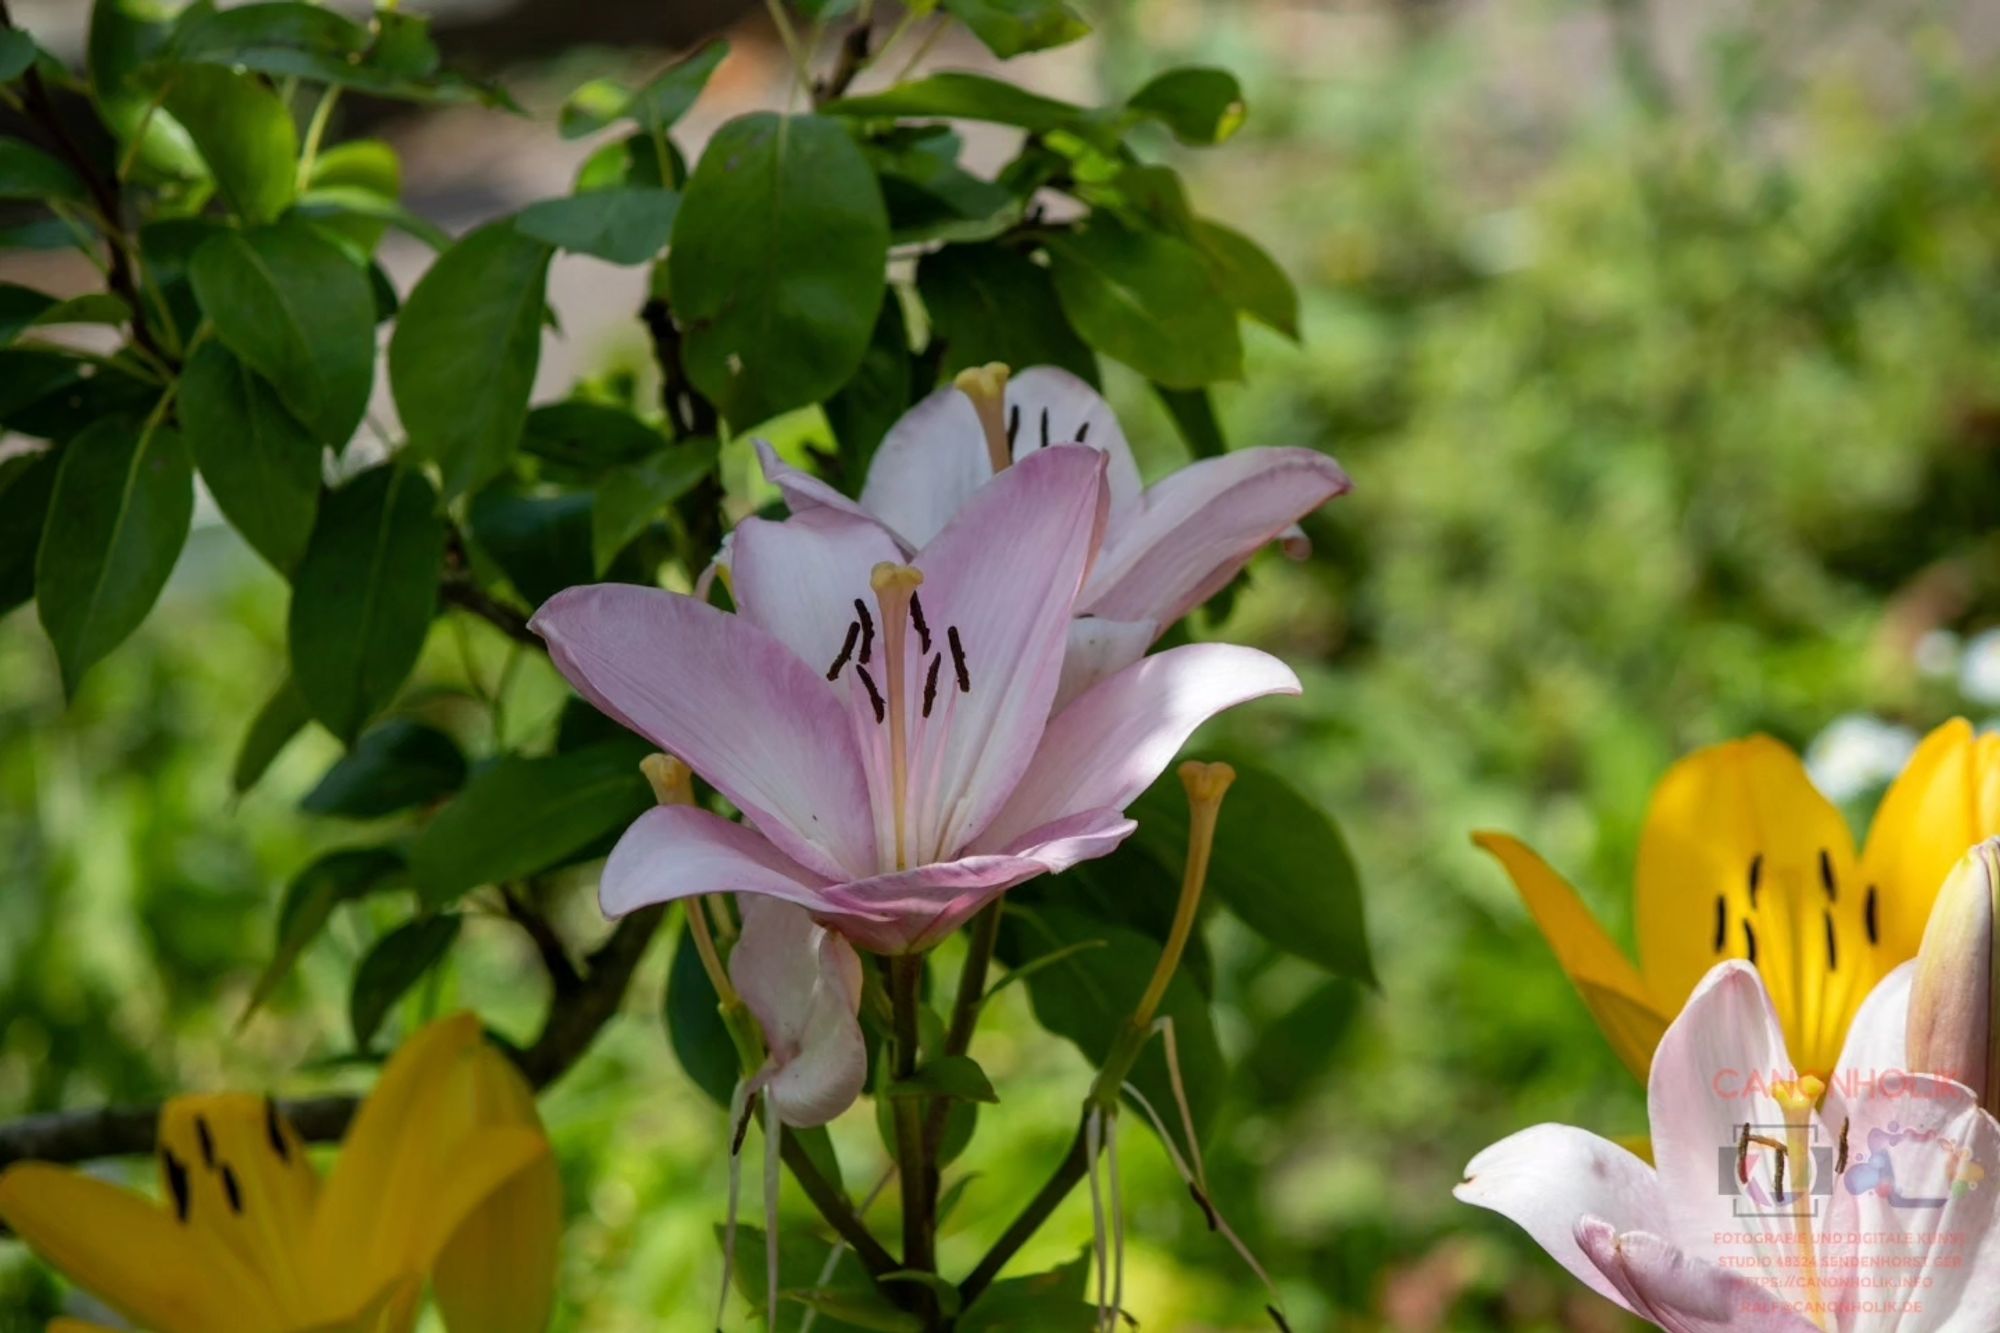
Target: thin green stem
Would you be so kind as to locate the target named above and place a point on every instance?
(965, 1008)
(315, 131)
(913, 1162)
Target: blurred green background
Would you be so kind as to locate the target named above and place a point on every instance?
(1664, 349)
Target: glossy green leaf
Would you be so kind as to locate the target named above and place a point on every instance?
(579, 439)
(244, 133)
(283, 716)
(300, 313)
(26, 172)
(464, 354)
(27, 480)
(1250, 278)
(630, 497)
(624, 224)
(777, 264)
(337, 877)
(930, 197)
(881, 390)
(540, 541)
(353, 192)
(394, 765)
(956, 1076)
(958, 96)
(1015, 27)
(519, 816)
(1280, 865)
(1148, 300)
(395, 963)
(1201, 106)
(260, 464)
(116, 521)
(695, 1029)
(124, 36)
(1088, 996)
(17, 52)
(990, 303)
(364, 595)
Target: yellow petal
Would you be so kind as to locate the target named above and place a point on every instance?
(68, 1325)
(394, 1309)
(1946, 799)
(1610, 985)
(1742, 857)
(497, 1272)
(132, 1254)
(245, 1178)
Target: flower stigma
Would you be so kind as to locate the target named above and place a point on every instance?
(986, 386)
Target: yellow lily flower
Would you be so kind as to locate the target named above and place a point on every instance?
(1742, 857)
(445, 1173)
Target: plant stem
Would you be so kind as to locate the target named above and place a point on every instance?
(964, 1014)
(913, 1161)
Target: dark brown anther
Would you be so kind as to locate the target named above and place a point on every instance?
(1871, 915)
(874, 695)
(1750, 943)
(1840, 1159)
(229, 1188)
(1826, 877)
(1832, 946)
(917, 619)
(867, 630)
(274, 1130)
(1083, 432)
(930, 684)
(1045, 428)
(1013, 423)
(206, 1140)
(846, 650)
(1721, 921)
(1756, 877)
(177, 1183)
(958, 660)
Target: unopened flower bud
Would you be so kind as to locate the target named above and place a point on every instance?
(1954, 1019)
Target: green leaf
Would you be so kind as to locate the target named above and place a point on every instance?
(1043, 1303)
(1280, 865)
(631, 497)
(694, 1022)
(541, 542)
(1194, 416)
(591, 107)
(264, 36)
(637, 160)
(777, 264)
(300, 313)
(283, 716)
(337, 877)
(880, 392)
(957, 96)
(989, 303)
(945, 1291)
(582, 440)
(26, 172)
(354, 191)
(955, 1076)
(120, 511)
(27, 480)
(1015, 27)
(364, 594)
(846, 1300)
(622, 224)
(90, 308)
(1250, 278)
(244, 133)
(17, 52)
(663, 99)
(929, 196)
(465, 350)
(396, 962)
(1089, 995)
(395, 765)
(1201, 106)
(124, 36)
(519, 816)
(1148, 300)
(261, 465)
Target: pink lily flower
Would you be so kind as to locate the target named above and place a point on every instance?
(1781, 1203)
(1167, 548)
(802, 983)
(885, 727)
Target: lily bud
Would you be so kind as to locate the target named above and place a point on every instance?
(1955, 1002)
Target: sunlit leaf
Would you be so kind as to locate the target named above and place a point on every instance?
(244, 133)
(1202, 106)
(1148, 300)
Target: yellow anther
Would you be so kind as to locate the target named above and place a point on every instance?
(986, 386)
(891, 580)
(1206, 782)
(671, 780)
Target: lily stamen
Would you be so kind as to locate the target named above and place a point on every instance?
(986, 386)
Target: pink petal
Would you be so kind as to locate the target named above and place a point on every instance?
(1100, 648)
(731, 701)
(1548, 1178)
(803, 984)
(674, 851)
(1683, 1294)
(805, 493)
(1108, 746)
(1003, 576)
(799, 579)
(934, 458)
(1200, 525)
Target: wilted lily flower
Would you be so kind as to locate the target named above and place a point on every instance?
(1780, 1203)
(446, 1175)
(1167, 548)
(1742, 857)
(802, 983)
(1954, 1001)
(884, 724)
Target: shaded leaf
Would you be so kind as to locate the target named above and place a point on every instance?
(337, 877)
(956, 1076)
(123, 498)
(364, 594)
(632, 496)
(261, 465)
(694, 1022)
(1148, 300)
(17, 52)
(620, 224)
(1250, 278)
(1015, 27)
(300, 313)
(585, 439)
(777, 264)
(880, 392)
(660, 102)
(1200, 105)
(989, 303)
(541, 542)
(959, 96)
(244, 133)
(27, 480)
(394, 765)
(1193, 412)
(396, 962)
(1051, 1302)
(464, 354)
(26, 172)
(282, 717)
